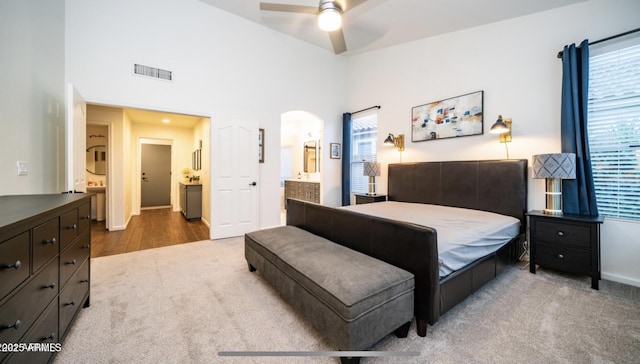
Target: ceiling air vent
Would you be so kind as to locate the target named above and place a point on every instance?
(139, 69)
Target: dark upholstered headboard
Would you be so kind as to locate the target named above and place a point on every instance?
(498, 186)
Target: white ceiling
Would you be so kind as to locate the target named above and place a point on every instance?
(382, 23)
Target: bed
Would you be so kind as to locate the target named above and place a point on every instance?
(494, 186)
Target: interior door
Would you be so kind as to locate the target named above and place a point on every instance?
(76, 143)
(234, 179)
(155, 163)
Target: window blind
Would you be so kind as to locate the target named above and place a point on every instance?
(364, 136)
(614, 131)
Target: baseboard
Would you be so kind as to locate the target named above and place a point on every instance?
(621, 279)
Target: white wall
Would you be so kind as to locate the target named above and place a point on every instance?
(32, 96)
(224, 67)
(515, 63)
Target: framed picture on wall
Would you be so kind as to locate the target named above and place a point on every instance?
(261, 145)
(450, 118)
(335, 150)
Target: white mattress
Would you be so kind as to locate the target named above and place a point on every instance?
(464, 235)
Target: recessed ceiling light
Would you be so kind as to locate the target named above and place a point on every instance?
(166, 121)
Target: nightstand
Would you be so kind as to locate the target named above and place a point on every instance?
(569, 243)
(362, 198)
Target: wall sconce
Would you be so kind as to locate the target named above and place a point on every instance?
(554, 168)
(397, 142)
(371, 169)
(502, 127)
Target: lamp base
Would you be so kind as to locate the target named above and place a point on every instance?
(372, 186)
(553, 195)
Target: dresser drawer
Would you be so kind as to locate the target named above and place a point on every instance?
(563, 233)
(564, 258)
(14, 263)
(21, 310)
(73, 295)
(45, 330)
(68, 228)
(84, 218)
(46, 243)
(72, 257)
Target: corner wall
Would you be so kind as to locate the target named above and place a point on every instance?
(32, 96)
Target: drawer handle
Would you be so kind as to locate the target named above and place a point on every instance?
(51, 337)
(560, 256)
(15, 325)
(51, 241)
(72, 227)
(15, 265)
(86, 246)
(51, 285)
(72, 303)
(84, 281)
(71, 262)
(560, 233)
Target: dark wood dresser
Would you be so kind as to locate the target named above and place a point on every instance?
(45, 246)
(569, 243)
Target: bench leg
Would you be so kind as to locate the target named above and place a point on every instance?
(403, 330)
(349, 360)
(251, 268)
(422, 327)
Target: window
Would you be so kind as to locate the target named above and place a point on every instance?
(364, 137)
(614, 128)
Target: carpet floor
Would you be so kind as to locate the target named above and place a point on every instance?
(187, 303)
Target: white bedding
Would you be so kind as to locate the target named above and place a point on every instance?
(464, 235)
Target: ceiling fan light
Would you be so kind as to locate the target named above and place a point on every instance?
(330, 19)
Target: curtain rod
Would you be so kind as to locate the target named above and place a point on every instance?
(607, 38)
(369, 108)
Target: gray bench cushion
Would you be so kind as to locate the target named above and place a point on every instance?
(350, 283)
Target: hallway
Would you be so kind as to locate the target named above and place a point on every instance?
(151, 229)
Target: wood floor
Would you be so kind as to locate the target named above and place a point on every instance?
(151, 229)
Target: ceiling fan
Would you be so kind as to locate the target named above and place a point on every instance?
(329, 14)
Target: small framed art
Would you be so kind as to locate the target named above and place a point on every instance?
(335, 150)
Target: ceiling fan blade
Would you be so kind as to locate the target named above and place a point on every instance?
(337, 40)
(289, 8)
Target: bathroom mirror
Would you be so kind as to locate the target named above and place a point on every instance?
(97, 160)
(311, 157)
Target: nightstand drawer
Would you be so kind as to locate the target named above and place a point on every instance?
(563, 233)
(563, 258)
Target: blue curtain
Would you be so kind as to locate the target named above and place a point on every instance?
(346, 159)
(578, 195)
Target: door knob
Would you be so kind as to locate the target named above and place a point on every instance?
(253, 183)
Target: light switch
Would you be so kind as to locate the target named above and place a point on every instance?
(22, 168)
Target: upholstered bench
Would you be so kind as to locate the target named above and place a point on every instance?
(353, 299)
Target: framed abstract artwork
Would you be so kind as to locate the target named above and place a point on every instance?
(450, 118)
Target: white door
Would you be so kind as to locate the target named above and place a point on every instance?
(234, 179)
(76, 147)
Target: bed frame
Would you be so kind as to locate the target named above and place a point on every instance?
(498, 186)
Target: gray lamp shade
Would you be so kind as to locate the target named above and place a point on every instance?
(371, 169)
(554, 165)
